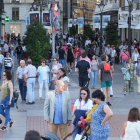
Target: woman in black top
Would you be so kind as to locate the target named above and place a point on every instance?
(70, 57)
(117, 55)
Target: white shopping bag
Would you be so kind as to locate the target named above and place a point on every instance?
(111, 90)
(78, 137)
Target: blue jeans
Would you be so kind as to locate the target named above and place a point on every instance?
(77, 131)
(94, 77)
(0, 70)
(30, 88)
(123, 63)
(5, 112)
(23, 89)
(109, 57)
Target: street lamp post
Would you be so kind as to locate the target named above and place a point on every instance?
(41, 4)
(130, 5)
(101, 5)
(84, 11)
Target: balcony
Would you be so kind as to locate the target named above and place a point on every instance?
(135, 7)
(111, 5)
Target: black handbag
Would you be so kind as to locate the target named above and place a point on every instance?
(52, 86)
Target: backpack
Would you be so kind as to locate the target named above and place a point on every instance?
(15, 96)
(106, 67)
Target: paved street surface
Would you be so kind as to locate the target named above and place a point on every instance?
(30, 117)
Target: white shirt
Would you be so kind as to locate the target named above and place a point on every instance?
(55, 68)
(113, 53)
(24, 48)
(65, 79)
(135, 56)
(87, 42)
(44, 73)
(132, 131)
(84, 106)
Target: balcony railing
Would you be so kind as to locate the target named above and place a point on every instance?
(126, 8)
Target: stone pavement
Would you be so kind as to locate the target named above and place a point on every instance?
(30, 117)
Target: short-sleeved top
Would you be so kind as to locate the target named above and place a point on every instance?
(31, 71)
(124, 56)
(20, 72)
(19, 49)
(8, 62)
(61, 53)
(105, 76)
(65, 79)
(80, 104)
(83, 67)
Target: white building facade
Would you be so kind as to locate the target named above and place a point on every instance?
(123, 15)
(17, 10)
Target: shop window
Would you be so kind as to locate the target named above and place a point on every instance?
(15, 13)
(15, 1)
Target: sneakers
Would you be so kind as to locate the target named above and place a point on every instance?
(11, 123)
(124, 93)
(109, 104)
(111, 95)
(4, 128)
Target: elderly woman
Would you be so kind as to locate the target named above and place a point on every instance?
(55, 68)
(43, 72)
(21, 80)
(129, 84)
(8, 62)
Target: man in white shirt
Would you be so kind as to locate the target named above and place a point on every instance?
(87, 42)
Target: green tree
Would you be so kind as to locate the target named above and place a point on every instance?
(37, 42)
(111, 30)
(72, 30)
(88, 32)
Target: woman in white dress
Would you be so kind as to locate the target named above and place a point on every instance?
(131, 128)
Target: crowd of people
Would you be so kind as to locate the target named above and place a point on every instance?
(58, 111)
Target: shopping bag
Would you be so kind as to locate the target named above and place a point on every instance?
(78, 137)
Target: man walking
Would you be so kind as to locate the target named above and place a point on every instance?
(124, 56)
(2, 43)
(19, 52)
(105, 78)
(61, 54)
(83, 67)
(57, 110)
(30, 73)
(5, 48)
(108, 51)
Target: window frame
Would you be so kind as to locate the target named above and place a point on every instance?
(15, 17)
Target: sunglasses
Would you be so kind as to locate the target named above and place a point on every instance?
(83, 93)
(4, 75)
(138, 59)
(54, 60)
(43, 62)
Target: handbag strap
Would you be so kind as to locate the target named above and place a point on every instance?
(126, 54)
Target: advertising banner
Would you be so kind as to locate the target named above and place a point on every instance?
(135, 21)
(75, 21)
(122, 19)
(46, 18)
(97, 20)
(56, 24)
(70, 21)
(34, 16)
(80, 22)
(27, 20)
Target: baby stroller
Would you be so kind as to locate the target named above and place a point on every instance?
(51, 136)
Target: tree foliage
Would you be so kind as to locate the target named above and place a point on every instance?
(88, 32)
(72, 30)
(37, 42)
(112, 37)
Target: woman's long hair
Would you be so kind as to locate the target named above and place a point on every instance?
(63, 70)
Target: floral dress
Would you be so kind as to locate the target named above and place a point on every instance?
(97, 131)
(129, 84)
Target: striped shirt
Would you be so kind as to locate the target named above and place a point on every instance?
(8, 62)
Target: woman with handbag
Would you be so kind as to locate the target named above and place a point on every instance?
(7, 100)
(131, 128)
(81, 107)
(21, 80)
(43, 72)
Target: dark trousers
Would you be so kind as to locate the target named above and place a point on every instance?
(8, 68)
(23, 89)
(109, 57)
(0, 70)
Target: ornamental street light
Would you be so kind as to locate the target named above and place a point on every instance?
(101, 5)
(130, 6)
(84, 9)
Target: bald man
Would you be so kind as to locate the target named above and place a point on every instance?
(57, 109)
(30, 73)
